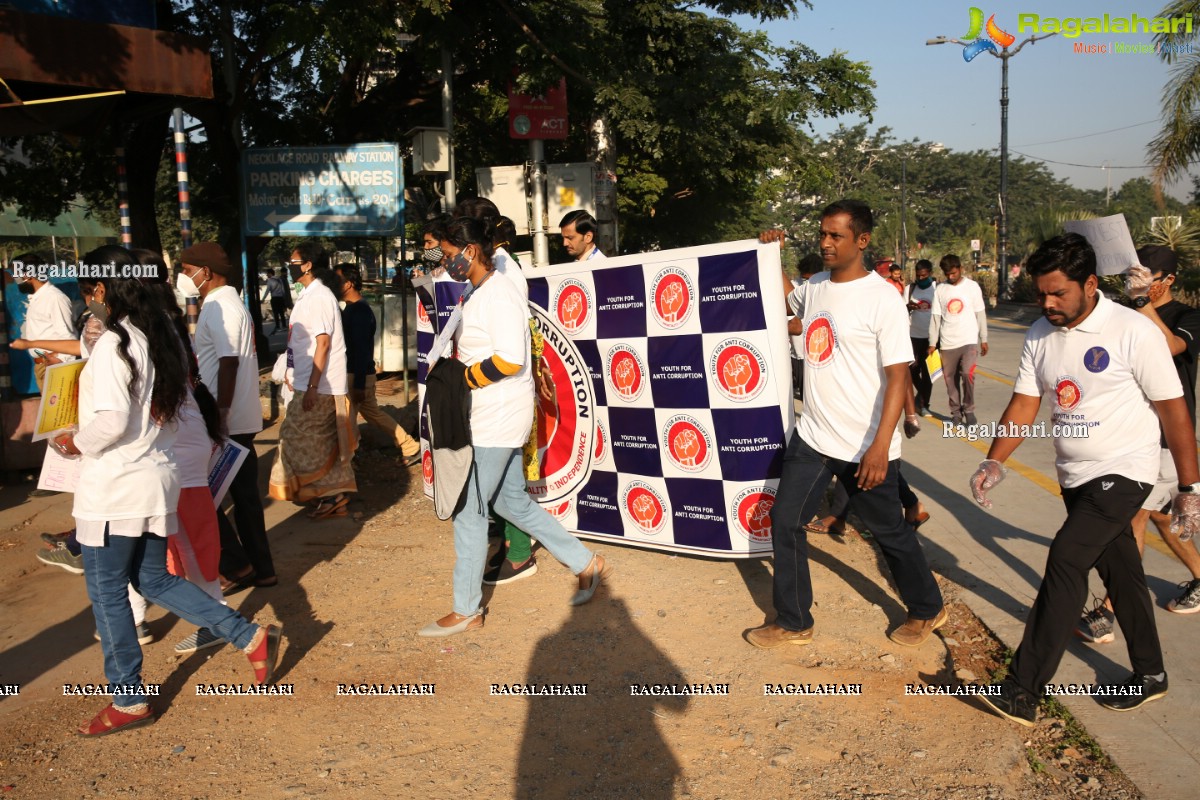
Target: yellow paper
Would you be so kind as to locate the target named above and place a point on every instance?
(934, 364)
(59, 408)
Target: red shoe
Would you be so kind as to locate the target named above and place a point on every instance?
(112, 719)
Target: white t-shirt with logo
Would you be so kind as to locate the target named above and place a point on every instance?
(317, 312)
(225, 330)
(1103, 373)
(507, 266)
(957, 305)
(495, 321)
(851, 332)
(918, 319)
(135, 477)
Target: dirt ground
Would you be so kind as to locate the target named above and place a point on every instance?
(353, 593)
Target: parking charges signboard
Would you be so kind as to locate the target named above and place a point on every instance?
(351, 190)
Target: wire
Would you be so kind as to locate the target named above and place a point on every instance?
(1087, 135)
(1085, 166)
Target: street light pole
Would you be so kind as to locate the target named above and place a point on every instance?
(1004, 54)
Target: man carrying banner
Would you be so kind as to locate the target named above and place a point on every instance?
(578, 230)
(857, 352)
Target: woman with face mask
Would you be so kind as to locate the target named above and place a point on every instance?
(130, 397)
(493, 342)
(433, 257)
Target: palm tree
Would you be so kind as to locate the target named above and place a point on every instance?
(1178, 143)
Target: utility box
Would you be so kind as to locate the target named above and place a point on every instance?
(569, 187)
(507, 188)
(431, 150)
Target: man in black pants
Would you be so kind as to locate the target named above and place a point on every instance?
(856, 354)
(229, 368)
(1112, 377)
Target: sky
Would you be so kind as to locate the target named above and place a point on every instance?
(932, 94)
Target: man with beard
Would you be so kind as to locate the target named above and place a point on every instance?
(1113, 381)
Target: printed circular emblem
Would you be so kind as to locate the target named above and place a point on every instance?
(955, 306)
(1096, 359)
(572, 305)
(566, 423)
(738, 370)
(1067, 392)
(601, 443)
(820, 340)
(422, 314)
(751, 512)
(559, 510)
(626, 372)
(673, 296)
(427, 467)
(644, 507)
(687, 443)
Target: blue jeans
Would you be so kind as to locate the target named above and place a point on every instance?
(142, 561)
(497, 479)
(806, 474)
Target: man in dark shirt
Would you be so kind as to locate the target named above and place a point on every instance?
(1149, 289)
(358, 326)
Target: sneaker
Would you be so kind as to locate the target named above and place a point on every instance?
(956, 419)
(769, 636)
(1137, 690)
(56, 540)
(508, 572)
(62, 557)
(1189, 601)
(198, 640)
(915, 631)
(1013, 703)
(924, 411)
(971, 420)
(143, 633)
(1096, 626)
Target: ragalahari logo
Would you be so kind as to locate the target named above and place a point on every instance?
(996, 36)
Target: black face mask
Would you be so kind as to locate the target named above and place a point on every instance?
(295, 271)
(99, 311)
(25, 287)
(458, 267)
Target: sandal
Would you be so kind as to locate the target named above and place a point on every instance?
(837, 528)
(112, 719)
(329, 507)
(265, 657)
(234, 585)
(918, 520)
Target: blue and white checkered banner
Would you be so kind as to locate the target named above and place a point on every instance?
(673, 397)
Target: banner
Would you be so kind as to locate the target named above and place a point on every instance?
(673, 396)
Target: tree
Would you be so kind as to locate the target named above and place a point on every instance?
(1178, 142)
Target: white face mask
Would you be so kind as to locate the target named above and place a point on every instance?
(186, 286)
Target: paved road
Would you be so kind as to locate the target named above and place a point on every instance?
(998, 557)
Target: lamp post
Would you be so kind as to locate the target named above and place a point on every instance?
(1004, 54)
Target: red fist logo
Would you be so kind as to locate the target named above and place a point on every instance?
(672, 301)
(571, 311)
(758, 519)
(625, 375)
(737, 372)
(645, 510)
(687, 447)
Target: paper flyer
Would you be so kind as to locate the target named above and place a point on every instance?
(59, 473)
(225, 462)
(59, 408)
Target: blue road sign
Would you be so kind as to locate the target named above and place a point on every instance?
(353, 190)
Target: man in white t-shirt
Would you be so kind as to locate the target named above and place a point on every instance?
(318, 437)
(919, 296)
(578, 229)
(856, 355)
(1113, 380)
(48, 316)
(228, 362)
(958, 327)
